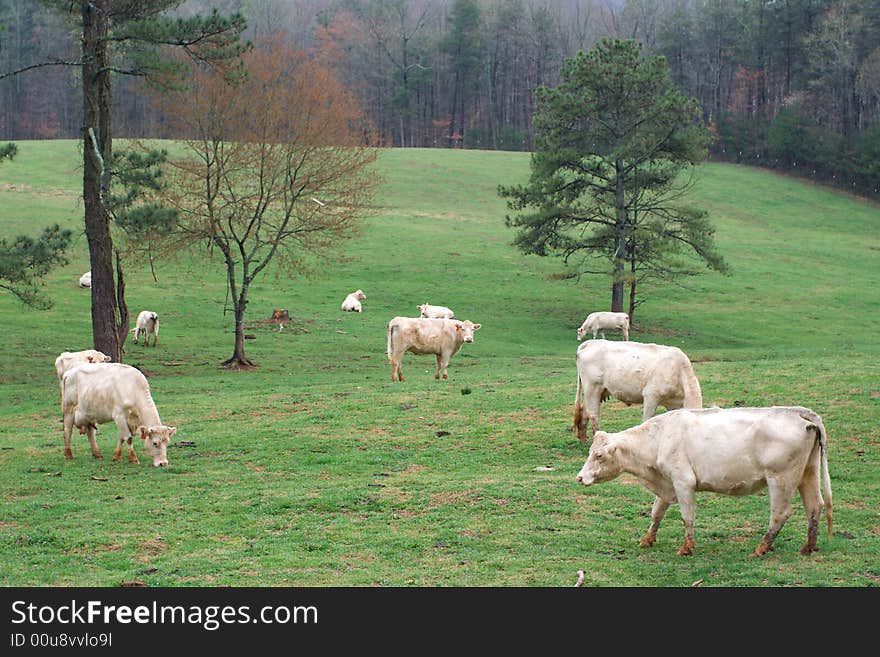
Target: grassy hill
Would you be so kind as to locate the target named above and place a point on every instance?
(316, 470)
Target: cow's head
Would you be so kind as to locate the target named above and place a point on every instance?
(581, 332)
(603, 463)
(156, 440)
(466, 329)
(359, 295)
(423, 310)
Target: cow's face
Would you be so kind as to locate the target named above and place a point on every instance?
(466, 329)
(156, 441)
(581, 332)
(602, 463)
(423, 310)
(359, 295)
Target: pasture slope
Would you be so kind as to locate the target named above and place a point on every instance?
(316, 470)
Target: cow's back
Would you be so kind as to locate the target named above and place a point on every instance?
(103, 390)
(733, 450)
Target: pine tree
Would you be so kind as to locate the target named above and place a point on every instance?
(613, 141)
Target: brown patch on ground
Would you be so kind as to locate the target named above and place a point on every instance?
(405, 513)
(396, 494)
(469, 533)
(448, 497)
(108, 547)
(874, 394)
(150, 548)
(255, 468)
(856, 504)
(411, 469)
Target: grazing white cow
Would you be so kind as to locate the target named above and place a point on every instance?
(598, 322)
(353, 301)
(633, 372)
(147, 324)
(441, 337)
(435, 312)
(735, 451)
(93, 394)
(86, 279)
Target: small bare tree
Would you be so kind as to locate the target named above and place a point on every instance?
(278, 168)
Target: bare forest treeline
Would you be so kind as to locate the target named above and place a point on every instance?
(793, 84)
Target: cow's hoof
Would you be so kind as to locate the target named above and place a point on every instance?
(68, 455)
(647, 541)
(97, 455)
(685, 552)
(807, 550)
(133, 459)
(445, 376)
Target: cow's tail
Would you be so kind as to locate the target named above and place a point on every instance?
(580, 423)
(693, 394)
(391, 327)
(822, 439)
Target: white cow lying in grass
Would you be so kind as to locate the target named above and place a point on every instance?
(441, 337)
(736, 451)
(598, 322)
(352, 302)
(147, 324)
(435, 312)
(633, 372)
(92, 394)
(86, 280)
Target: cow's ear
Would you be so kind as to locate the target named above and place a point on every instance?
(457, 328)
(143, 431)
(476, 326)
(91, 359)
(171, 433)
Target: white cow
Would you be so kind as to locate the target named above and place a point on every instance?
(633, 372)
(93, 394)
(598, 322)
(441, 337)
(86, 279)
(435, 312)
(353, 301)
(147, 324)
(735, 451)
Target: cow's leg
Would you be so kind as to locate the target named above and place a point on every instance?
(657, 513)
(684, 492)
(650, 401)
(592, 401)
(626, 334)
(780, 511)
(811, 496)
(444, 364)
(396, 367)
(439, 367)
(91, 434)
(68, 429)
(132, 457)
(124, 434)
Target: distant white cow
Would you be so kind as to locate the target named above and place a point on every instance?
(147, 324)
(441, 337)
(735, 451)
(86, 279)
(598, 322)
(436, 312)
(69, 359)
(353, 301)
(633, 372)
(93, 394)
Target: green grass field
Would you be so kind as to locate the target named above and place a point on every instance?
(317, 470)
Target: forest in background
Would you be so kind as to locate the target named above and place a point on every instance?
(792, 84)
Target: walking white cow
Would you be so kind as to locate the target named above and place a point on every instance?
(418, 335)
(736, 451)
(147, 324)
(92, 394)
(633, 372)
(598, 322)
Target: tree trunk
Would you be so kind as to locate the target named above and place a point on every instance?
(620, 253)
(238, 360)
(96, 149)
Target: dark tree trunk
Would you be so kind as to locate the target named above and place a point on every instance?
(620, 253)
(238, 360)
(96, 154)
